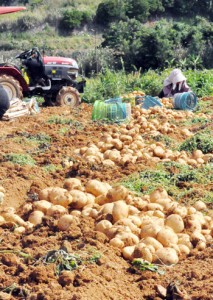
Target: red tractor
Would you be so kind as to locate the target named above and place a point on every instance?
(53, 78)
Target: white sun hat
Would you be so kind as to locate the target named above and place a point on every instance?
(174, 77)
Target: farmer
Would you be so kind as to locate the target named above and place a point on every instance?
(174, 83)
(4, 101)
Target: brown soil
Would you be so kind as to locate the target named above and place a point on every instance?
(111, 277)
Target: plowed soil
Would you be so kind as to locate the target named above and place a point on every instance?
(23, 272)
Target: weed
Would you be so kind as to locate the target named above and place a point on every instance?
(144, 265)
(20, 159)
(176, 178)
(66, 261)
(59, 120)
(52, 168)
(202, 141)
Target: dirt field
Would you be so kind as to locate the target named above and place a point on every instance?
(50, 139)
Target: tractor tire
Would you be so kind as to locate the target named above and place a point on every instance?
(12, 87)
(4, 101)
(68, 96)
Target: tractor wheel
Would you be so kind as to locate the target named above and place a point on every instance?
(12, 87)
(4, 101)
(68, 96)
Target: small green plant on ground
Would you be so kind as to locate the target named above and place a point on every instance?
(67, 261)
(202, 141)
(20, 159)
(52, 168)
(143, 265)
(65, 121)
(59, 120)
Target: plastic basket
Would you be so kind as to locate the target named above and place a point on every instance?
(185, 101)
(113, 100)
(116, 111)
(150, 102)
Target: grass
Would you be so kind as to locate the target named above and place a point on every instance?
(202, 141)
(19, 159)
(52, 168)
(180, 181)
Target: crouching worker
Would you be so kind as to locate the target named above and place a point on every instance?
(4, 101)
(173, 84)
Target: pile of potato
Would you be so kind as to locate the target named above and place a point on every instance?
(123, 144)
(152, 227)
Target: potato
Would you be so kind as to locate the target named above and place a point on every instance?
(196, 237)
(183, 249)
(103, 226)
(201, 245)
(128, 252)
(79, 199)
(117, 193)
(56, 210)
(133, 210)
(59, 196)
(154, 206)
(159, 193)
(65, 222)
(153, 242)
(2, 220)
(159, 152)
(108, 163)
(42, 205)
(96, 187)
(175, 222)
(116, 242)
(128, 238)
(36, 217)
(184, 239)
(129, 223)
(191, 210)
(44, 194)
(106, 209)
(20, 230)
(12, 217)
(73, 184)
(180, 210)
(141, 251)
(200, 205)
(136, 220)
(159, 214)
(150, 230)
(167, 256)
(120, 210)
(2, 190)
(167, 236)
(101, 199)
(76, 213)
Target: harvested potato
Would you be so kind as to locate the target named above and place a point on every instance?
(36, 217)
(117, 193)
(128, 252)
(60, 196)
(167, 236)
(65, 222)
(120, 210)
(167, 256)
(175, 222)
(42, 205)
(73, 184)
(96, 187)
(79, 199)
